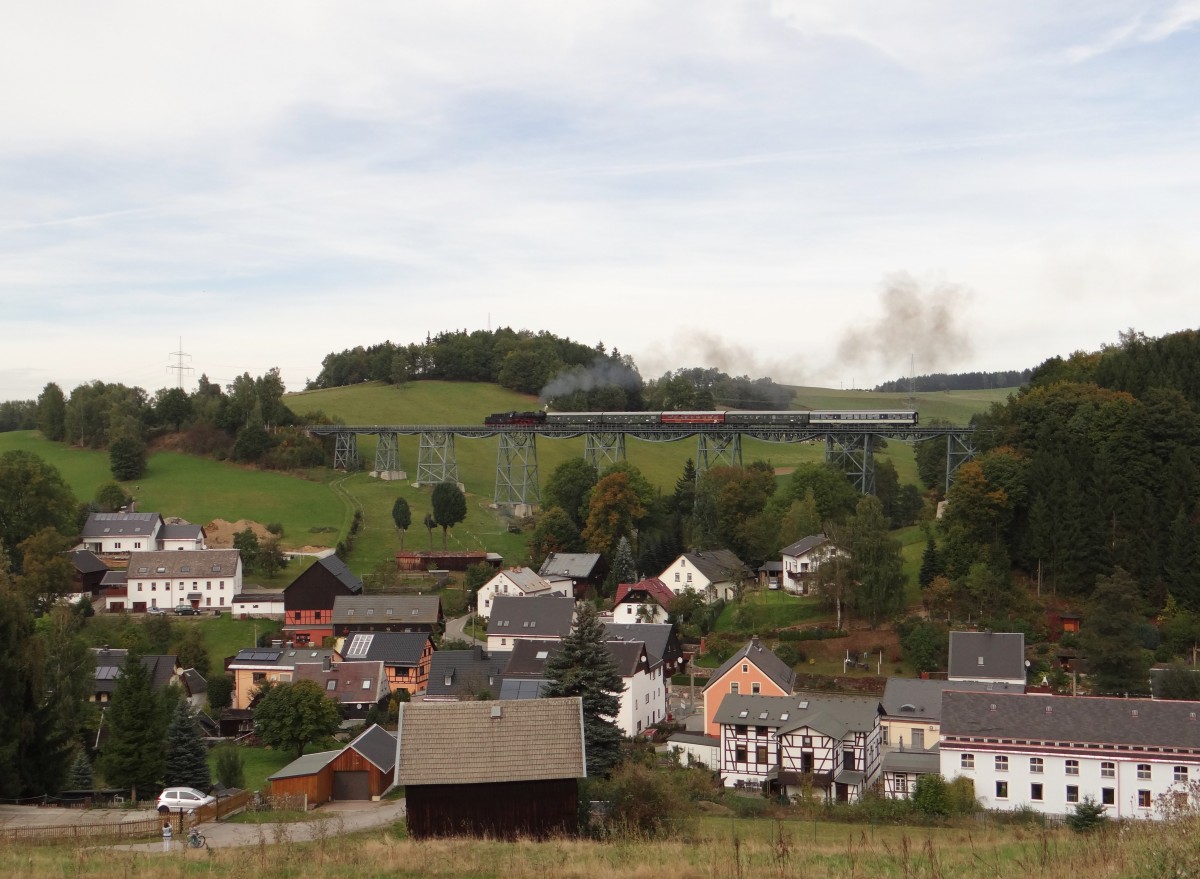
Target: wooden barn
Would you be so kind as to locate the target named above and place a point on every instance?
(496, 769)
(363, 770)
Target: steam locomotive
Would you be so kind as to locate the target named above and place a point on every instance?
(739, 418)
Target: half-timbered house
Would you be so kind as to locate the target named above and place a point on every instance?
(752, 671)
(406, 656)
(308, 600)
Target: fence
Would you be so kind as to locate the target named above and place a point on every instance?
(146, 827)
(223, 807)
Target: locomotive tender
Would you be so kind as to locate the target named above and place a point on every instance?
(736, 418)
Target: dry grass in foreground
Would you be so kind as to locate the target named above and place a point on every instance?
(714, 849)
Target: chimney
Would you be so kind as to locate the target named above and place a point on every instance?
(327, 663)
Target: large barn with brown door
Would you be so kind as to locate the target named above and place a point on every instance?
(497, 769)
(363, 770)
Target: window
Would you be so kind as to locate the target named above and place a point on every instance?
(901, 783)
(1143, 770)
(331, 685)
(137, 544)
(806, 741)
(739, 754)
(1181, 774)
(1002, 790)
(739, 729)
(1072, 793)
(689, 578)
(676, 576)
(760, 730)
(1108, 796)
(1143, 799)
(1035, 791)
(1037, 765)
(760, 755)
(745, 668)
(733, 688)
(1108, 770)
(755, 688)
(367, 684)
(1002, 764)
(885, 735)
(1072, 767)
(967, 761)
(647, 698)
(116, 546)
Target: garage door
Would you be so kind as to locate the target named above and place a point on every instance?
(351, 786)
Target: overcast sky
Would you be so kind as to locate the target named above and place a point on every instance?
(816, 191)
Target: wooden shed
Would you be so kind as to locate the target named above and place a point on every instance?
(496, 769)
(363, 770)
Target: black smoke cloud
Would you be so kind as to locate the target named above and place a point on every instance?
(923, 320)
(602, 373)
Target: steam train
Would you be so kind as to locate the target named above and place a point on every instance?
(736, 418)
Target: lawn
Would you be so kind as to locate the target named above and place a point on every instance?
(223, 636)
(259, 764)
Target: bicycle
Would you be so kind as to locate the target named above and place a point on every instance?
(196, 839)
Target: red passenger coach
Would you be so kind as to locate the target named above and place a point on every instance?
(692, 418)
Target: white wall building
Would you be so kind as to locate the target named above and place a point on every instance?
(517, 583)
(201, 579)
(644, 699)
(1048, 753)
(715, 574)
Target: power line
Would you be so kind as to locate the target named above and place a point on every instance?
(178, 367)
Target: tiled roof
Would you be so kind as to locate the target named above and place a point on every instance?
(258, 594)
(347, 682)
(922, 700)
(377, 745)
(390, 648)
(575, 565)
(100, 525)
(181, 531)
(976, 655)
(1074, 719)
(193, 681)
(338, 568)
(832, 715)
(651, 587)
(108, 668)
(525, 579)
(656, 637)
(425, 610)
(86, 562)
(806, 544)
(630, 657)
(488, 742)
(548, 616)
(181, 564)
(718, 565)
(114, 578)
(466, 673)
(528, 658)
(763, 659)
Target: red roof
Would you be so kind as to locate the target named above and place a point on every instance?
(651, 587)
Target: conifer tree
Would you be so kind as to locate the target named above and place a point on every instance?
(931, 564)
(133, 754)
(585, 668)
(80, 776)
(186, 761)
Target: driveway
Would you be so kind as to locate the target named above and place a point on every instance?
(335, 819)
(456, 629)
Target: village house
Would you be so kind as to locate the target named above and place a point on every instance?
(646, 601)
(406, 656)
(989, 657)
(163, 669)
(308, 600)
(1136, 757)
(800, 561)
(254, 666)
(517, 583)
(198, 579)
(501, 770)
(177, 535)
(257, 603)
(89, 574)
(531, 619)
(118, 534)
(783, 744)
(715, 574)
(661, 640)
(387, 613)
(585, 570)
(356, 685)
(465, 674)
(752, 671)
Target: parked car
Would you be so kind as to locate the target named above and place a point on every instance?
(186, 610)
(183, 799)
(157, 611)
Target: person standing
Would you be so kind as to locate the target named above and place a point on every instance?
(167, 835)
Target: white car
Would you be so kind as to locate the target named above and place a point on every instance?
(183, 799)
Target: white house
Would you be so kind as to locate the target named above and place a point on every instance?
(517, 583)
(115, 533)
(644, 699)
(716, 574)
(800, 561)
(265, 604)
(784, 743)
(646, 601)
(201, 579)
(182, 535)
(1048, 753)
(529, 619)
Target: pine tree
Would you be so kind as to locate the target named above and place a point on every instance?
(585, 668)
(80, 777)
(931, 564)
(623, 567)
(187, 761)
(133, 754)
(1111, 624)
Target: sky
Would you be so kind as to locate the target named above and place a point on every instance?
(823, 192)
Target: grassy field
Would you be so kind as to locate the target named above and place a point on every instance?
(712, 848)
(259, 764)
(956, 407)
(223, 636)
(763, 609)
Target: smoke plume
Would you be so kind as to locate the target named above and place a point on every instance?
(602, 373)
(704, 349)
(925, 320)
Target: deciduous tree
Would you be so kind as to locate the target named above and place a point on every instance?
(449, 507)
(613, 509)
(291, 715)
(554, 532)
(33, 496)
(568, 488)
(402, 518)
(1111, 623)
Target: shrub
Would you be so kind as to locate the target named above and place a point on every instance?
(231, 770)
(275, 528)
(790, 655)
(642, 800)
(1087, 816)
(931, 796)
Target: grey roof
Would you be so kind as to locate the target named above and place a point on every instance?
(278, 657)
(377, 745)
(766, 662)
(351, 610)
(193, 681)
(976, 655)
(338, 568)
(309, 764)
(771, 567)
(523, 688)
(100, 525)
(576, 565)
(487, 742)
(87, 562)
(718, 565)
(198, 564)
(548, 616)
(181, 531)
(691, 738)
(805, 544)
(921, 762)
(390, 648)
(922, 700)
(469, 672)
(114, 578)
(528, 658)
(1075, 719)
(258, 593)
(833, 715)
(108, 668)
(656, 636)
(630, 657)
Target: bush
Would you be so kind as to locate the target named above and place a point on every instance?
(817, 634)
(275, 528)
(1087, 816)
(931, 796)
(790, 655)
(642, 800)
(231, 770)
